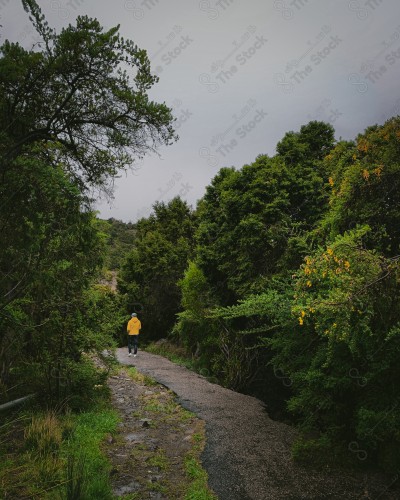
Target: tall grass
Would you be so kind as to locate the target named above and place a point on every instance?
(87, 471)
(72, 468)
(55, 454)
(44, 434)
(51, 456)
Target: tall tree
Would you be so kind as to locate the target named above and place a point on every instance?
(50, 251)
(74, 105)
(253, 221)
(82, 99)
(74, 110)
(365, 187)
(162, 247)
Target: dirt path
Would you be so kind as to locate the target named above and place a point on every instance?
(247, 455)
(154, 438)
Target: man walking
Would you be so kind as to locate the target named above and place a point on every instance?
(133, 328)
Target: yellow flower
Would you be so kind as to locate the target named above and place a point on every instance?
(301, 321)
(331, 181)
(330, 251)
(365, 174)
(363, 146)
(307, 270)
(347, 264)
(308, 283)
(303, 314)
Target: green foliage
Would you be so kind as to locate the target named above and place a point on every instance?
(61, 136)
(365, 187)
(44, 434)
(323, 452)
(254, 228)
(162, 246)
(120, 237)
(243, 222)
(52, 251)
(105, 318)
(314, 141)
(85, 467)
(300, 255)
(194, 328)
(253, 222)
(198, 489)
(89, 430)
(174, 352)
(50, 99)
(242, 360)
(341, 349)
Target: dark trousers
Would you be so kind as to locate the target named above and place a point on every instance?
(133, 342)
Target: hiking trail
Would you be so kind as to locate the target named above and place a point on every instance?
(247, 454)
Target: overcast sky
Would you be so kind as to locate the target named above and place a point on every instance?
(239, 75)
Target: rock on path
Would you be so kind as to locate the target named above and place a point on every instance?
(247, 455)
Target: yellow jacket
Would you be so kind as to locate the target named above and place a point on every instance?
(134, 326)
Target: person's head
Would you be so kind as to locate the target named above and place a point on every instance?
(134, 315)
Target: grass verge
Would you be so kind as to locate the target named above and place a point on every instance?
(87, 473)
(49, 454)
(198, 486)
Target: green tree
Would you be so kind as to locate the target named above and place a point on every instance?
(120, 236)
(73, 112)
(74, 106)
(303, 153)
(340, 344)
(47, 262)
(313, 142)
(82, 100)
(162, 247)
(243, 227)
(254, 222)
(194, 327)
(364, 178)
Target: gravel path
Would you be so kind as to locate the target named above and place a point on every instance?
(247, 455)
